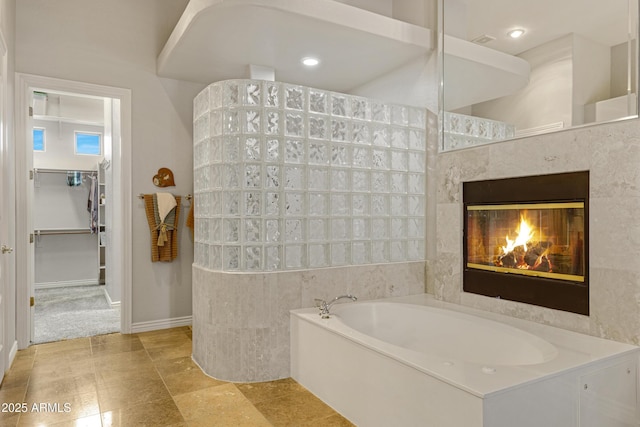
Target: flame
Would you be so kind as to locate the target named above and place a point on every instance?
(525, 234)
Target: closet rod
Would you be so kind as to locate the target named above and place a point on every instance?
(55, 231)
(36, 170)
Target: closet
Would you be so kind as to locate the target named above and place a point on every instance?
(70, 223)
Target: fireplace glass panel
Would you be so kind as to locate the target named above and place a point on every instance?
(537, 239)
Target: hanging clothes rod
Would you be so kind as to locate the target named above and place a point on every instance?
(187, 197)
(56, 231)
(37, 170)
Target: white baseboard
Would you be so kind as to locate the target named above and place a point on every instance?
(49, 285)
(12, 354)
(155, 325)
(113, 304)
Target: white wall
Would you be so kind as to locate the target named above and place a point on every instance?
(69, 258)
(619, 61)
(591, 75)
(60, 146)
(116, 43)
(66, 260)
(548, 96)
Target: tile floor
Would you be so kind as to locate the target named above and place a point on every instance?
(145, 379)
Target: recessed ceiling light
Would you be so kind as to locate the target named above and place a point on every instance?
(514, 34)
(310, 62)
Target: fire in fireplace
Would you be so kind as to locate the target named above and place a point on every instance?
(525, 239)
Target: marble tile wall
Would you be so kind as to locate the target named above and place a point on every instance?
(241, 320)
(611, 153)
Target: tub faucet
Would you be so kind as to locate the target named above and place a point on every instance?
(325, 306)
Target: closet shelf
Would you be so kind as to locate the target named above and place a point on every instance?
(66, 120)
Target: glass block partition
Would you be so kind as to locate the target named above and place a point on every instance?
(462, 131)
(289, 177)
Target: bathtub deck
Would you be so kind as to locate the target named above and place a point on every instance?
(360, 376)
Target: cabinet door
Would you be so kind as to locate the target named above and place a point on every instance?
(608, 396)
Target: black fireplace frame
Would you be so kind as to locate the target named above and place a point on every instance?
(566, 295)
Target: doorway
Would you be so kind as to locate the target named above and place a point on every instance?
(74, 295)
(94, 122)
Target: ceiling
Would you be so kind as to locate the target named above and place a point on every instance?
(602, 21)
(218, 39)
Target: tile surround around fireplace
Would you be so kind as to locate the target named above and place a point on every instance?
(611, 154)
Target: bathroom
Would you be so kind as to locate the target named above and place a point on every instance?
(162, 134)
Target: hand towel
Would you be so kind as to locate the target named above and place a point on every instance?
(165, 202)
(169, 250)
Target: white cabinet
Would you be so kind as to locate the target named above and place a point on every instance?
(608, 396)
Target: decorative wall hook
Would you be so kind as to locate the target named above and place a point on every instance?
(164, 178)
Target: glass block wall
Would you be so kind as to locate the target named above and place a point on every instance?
(289, 177)
(462, 131)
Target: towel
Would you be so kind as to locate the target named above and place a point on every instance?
(168, 250)
(190, 219)
(165, 202)
(92, 205)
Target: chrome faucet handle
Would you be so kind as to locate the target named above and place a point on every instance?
(323, 307)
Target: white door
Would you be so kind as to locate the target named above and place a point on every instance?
(7, 203)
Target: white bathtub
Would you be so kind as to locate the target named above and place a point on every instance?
(412, 364)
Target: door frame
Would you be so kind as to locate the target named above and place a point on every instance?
(8, 347)
(25, 84)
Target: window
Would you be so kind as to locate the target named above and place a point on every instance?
(88, 143)
(38, 139)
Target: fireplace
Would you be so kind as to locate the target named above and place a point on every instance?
(526, 240)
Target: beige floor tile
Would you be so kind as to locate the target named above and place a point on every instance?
(294, 409)
(258, 392)
(166, 342)
(15, 378)
(46, 373)
(55, 347)
(187, 381)
(223, 405)
(157, 413)
(23, 362)
(336, 420)
(126, 361)
(112, 338)
(122, 380)
(164, 336)
(170, 351)
(106, 377)
(13, 395)
(62, 357)
(68, 408)
(131, 392)
(168, 367)
(57, 390)
(9, 420)
(90, 421)
(182, 375)
(115, 347)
